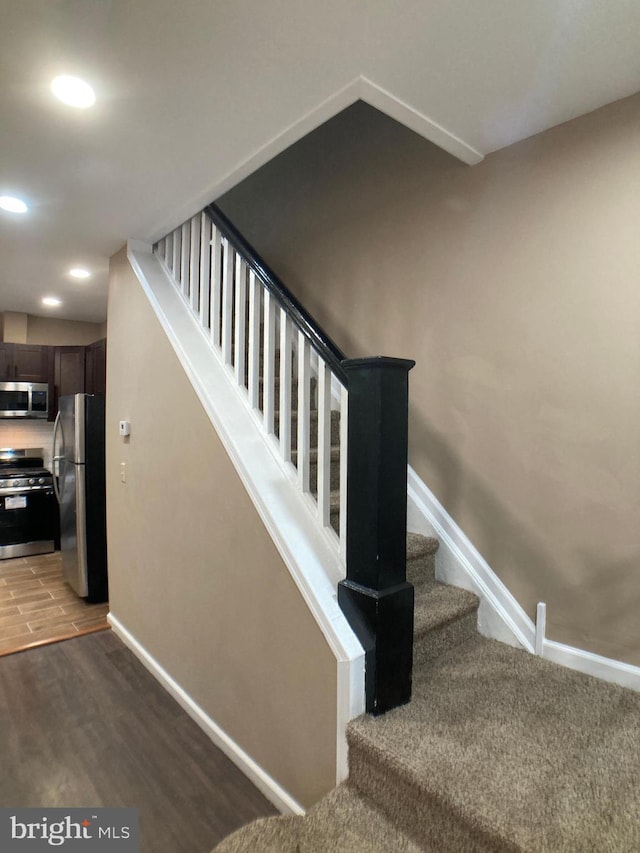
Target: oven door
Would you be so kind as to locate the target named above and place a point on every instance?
(27, 523)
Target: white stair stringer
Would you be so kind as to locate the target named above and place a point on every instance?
(303, 546)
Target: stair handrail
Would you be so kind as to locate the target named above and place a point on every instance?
(312, 330)
(372, 399)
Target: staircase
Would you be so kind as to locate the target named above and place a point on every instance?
(498, 750)
(338, 429)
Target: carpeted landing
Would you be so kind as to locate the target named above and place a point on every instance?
(497, 751)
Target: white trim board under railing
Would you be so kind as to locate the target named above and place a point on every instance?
(500, 616)
(309, 557)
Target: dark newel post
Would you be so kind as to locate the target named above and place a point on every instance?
(375, 594)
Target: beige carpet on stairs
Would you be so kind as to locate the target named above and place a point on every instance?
(497, 751)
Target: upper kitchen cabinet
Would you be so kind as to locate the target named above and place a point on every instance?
(6, 360)
(68, 372)
(95, 369)
(78, 370)
(25, 362)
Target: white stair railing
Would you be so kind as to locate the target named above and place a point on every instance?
(288, 374)
(294, 380)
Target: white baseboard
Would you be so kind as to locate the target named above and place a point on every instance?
(499, 616)
(280, 798)
(608, 669)
(459, 563)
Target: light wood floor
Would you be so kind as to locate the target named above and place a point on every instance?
(84, 724)
(38, 607)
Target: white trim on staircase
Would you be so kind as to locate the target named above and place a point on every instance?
(407, 115)
(305, 550)
(460, 564)
(359, 89)
(499, 616)
(608, 669)
(268, 786)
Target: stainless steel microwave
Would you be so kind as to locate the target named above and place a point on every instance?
(24, 399)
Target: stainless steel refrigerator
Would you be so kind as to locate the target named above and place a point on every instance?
(78, 461)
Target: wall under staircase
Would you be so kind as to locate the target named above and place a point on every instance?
(196, 583)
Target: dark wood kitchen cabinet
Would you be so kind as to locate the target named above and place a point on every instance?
(95, 368)
(68, 373)
(25, 362)
(78, 370)
(6, 360)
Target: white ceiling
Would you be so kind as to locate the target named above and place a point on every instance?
(195, 94)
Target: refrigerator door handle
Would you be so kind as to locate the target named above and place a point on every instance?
(55, 458)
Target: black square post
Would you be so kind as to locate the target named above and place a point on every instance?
(375, 595)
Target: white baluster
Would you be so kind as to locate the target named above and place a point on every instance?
(227, 302)
(175, 256)
(269, 362)
(304, 405)
(168, 250)
(205, 271)
(324, 443)
(184, 258)
(240, 321)
(255, 289)
(194, 265)
(216, 286)
(344, 428)
(285, 386)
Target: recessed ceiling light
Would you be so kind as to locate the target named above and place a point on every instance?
(51, 300)
(73, 91)
(79, 272)
(13, 205)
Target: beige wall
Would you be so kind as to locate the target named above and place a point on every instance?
(194, 575)
(515, 287)
(14, 327)
(45, 330)
(19, 328)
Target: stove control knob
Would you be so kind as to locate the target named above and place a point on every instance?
(41, 481)
(16, 483)
(32, 481)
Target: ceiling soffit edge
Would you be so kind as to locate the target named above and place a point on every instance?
(361, 88)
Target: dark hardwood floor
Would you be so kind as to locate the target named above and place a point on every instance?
(82, 723)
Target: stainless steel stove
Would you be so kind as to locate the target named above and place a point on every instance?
(28, 510)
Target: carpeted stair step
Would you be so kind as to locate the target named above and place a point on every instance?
(344, 822)
(334, 470)
(444, 616)
(313, 428)
(294, 392)
(500, 750)
(421, 559)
